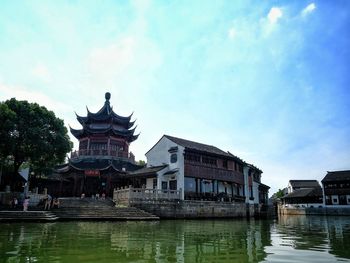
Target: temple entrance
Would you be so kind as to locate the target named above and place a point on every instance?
(94, 185)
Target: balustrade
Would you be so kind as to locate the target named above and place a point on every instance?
(99, 152)
(132, 195)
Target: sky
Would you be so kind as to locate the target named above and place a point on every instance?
(266, 80)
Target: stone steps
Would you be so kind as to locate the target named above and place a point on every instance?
(80, 209)
(102, 209)
(27, 216)
(98, 213)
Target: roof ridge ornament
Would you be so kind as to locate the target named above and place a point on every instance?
(108, 97)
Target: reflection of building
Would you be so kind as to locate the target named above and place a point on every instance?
(103, 157)
(336, 187)
(202, 171)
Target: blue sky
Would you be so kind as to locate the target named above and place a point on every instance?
(265, 80)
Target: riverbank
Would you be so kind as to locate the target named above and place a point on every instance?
(320, 211)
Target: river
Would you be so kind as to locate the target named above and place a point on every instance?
(289, 239)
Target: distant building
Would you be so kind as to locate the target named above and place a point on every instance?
(302, 184)
(336, 187)
(201, 172)
(304, 193)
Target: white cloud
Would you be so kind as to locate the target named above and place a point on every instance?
(274, 15)
(309, 9)
(232, 33)
(130, 62)
(21, 93)
(40, 71)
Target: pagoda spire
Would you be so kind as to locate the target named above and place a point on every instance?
(107, 104)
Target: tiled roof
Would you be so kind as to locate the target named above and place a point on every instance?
(199, 146)
(304, 183)
(116, 125)
(98, 164)
(337, 176)
(148, 170)
(305, 192)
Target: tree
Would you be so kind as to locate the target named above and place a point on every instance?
(141, 163)
(279, 193)
(31, 133)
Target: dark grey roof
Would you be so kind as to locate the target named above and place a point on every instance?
(304, 183)
(171, 171)
(304, 193)
(264, 186)
(337, 176)
(199, 146)
(98, 164)
(151, 169)
(106, 115)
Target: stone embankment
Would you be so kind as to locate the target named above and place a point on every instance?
(80, 209)
(320, 211)
(89, 209)
(201, 209)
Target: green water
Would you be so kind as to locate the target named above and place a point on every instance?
(293, 239)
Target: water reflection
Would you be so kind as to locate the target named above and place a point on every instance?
(313, 238)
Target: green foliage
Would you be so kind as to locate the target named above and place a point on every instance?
(279, 193)
(141, 162)
(31, 133)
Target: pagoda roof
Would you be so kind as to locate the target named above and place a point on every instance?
(98, 164)
(110, 130)
(105, 121)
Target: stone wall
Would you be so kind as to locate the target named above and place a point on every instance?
(324, 211)
(199, 209)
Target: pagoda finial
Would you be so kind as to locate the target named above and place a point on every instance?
(107, 96)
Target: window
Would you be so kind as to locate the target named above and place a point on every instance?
(207, 186)
(98, 146)
(173, 158)
(164, 185)
(209, 160)
(224, 164)
(154, 183)
(83, 145)
(190, 184)
(173, 185)
(192, 157)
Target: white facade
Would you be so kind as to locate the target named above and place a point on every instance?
(250, 192)
(160, 155)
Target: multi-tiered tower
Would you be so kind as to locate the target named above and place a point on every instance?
(103, 160)
(104, 134)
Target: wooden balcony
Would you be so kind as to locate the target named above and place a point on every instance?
(213, 173)
(103, 152)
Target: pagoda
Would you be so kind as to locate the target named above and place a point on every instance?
(104, 133)
(102, 160)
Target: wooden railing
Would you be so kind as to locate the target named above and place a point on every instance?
(129, 195)
(100, 152)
